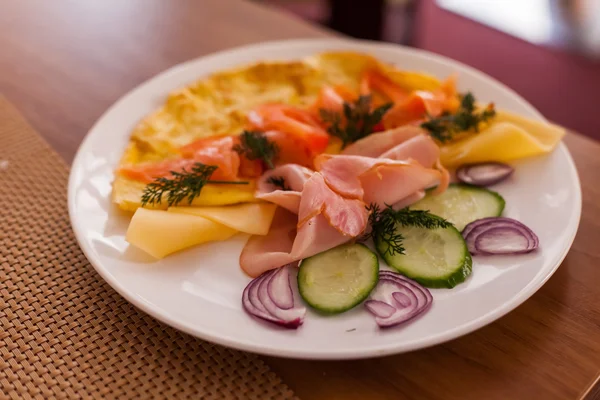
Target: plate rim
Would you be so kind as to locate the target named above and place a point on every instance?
(532, 287)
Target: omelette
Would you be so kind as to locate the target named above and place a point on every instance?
(217, 108)
(219, 104)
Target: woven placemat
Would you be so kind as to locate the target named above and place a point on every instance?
(64, 333)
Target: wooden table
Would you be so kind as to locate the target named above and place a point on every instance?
(63, 63)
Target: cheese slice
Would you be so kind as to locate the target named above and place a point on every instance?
(252, 218)
(547, 134)
(508, 137)
(160, 233)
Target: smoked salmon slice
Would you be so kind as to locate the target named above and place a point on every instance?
(332, 98)
(213, 151)
(291, 120)
(292, 149)
(410, 106)
(374, 80)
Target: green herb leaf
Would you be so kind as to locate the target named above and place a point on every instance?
(255, 146)
(383, 225)
(446, 126)
(182, 185)
(358, 121)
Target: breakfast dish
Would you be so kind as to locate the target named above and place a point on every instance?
(315, 158)
(274, 197)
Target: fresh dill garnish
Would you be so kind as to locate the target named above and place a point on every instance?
(418, 218)
(182, 185)
(254, 145)
(356, 121)
(444, 127)
(383, 225)
(278, 181)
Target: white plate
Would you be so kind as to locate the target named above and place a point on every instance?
(199, 290)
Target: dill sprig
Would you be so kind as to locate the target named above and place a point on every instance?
(183, 184)
(418, 218)
(383, 225)
(279, 182)
(444, 127)
(254, 145)
(383, 228)
(356, 121)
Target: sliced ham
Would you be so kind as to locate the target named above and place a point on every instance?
(284, 245)
(378, 143)
(286, 199)
(393, 167)
(315, 236)
(421, 148)
(348, 216)
(409, 200)
(388, 184)
(342, 173)
(444, 178)
(262, 253)
(326, 220)
(402, 144)
(426, 152)
(294, 176)
(375, 180)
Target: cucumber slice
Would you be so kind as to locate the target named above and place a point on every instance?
(336, 280)
(462, 204)
(436, 258)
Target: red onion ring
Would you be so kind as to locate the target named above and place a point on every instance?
(263, 295)
(484, 174)
(380, 308)
(499, 235)
(397, 299)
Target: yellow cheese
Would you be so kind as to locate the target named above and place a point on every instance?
(160, 233)
(547, 134)
(252, 218)
(508, 137)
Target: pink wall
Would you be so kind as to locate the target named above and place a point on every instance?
(564, 87)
